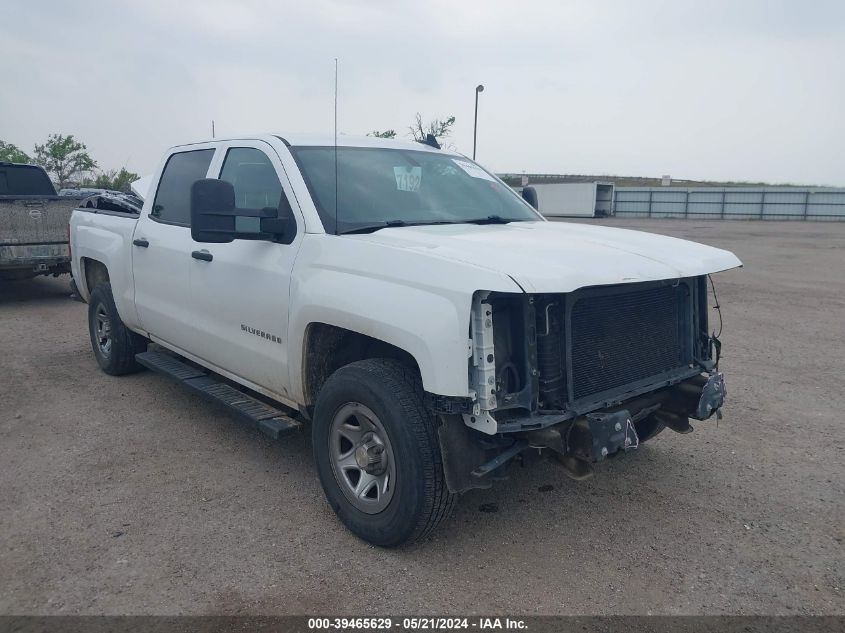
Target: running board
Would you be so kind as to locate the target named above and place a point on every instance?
(267, 419)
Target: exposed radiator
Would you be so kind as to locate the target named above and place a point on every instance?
(616, 337)
(624, 338)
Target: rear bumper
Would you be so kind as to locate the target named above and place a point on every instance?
(37, 258)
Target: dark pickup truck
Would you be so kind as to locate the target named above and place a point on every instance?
(33, 223)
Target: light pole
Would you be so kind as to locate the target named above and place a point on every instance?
(478, 88)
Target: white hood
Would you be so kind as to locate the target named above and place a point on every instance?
(141, 187)
(561, 257)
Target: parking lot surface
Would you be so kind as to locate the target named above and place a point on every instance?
(130, 495)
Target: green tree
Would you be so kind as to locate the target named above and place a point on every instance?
(385, 134)
(112, 179)
(12, 154)
(64, 157)
(439, 128)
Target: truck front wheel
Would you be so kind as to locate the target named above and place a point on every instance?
(377, 453)
(113, 343)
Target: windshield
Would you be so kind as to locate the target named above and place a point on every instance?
(380, 187)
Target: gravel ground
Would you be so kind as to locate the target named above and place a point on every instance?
(129, 495)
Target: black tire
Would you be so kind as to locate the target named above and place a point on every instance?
(117, 358)
(420, 499)
(648, 428)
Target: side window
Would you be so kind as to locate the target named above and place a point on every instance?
(254, 178)
(173, 198)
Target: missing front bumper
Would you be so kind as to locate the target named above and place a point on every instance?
(578, 442)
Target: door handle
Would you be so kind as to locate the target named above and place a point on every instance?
(141, 242)
(203, 255)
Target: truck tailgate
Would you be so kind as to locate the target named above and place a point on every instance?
(33, 230)
(35, 220)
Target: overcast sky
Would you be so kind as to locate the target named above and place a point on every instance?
(736, 90)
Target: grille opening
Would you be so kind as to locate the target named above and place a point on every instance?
(626, 337)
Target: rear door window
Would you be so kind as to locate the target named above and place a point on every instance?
(172, 203)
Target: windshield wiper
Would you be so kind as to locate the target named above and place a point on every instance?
(389, 224)
(491, 219)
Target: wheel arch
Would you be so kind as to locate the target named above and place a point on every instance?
(93, 272)
(327, 348)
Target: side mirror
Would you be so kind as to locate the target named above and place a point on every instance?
(215, 218)
(529, 194)
(212, 211)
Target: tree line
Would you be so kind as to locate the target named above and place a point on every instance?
(67, 161)
(438, 128)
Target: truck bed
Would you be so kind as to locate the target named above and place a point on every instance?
(105, 236)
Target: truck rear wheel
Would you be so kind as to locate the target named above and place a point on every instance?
(377, 453)
(113, 343)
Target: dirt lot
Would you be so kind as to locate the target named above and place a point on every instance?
(128, 495)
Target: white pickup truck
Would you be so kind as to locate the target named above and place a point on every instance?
(425, 320)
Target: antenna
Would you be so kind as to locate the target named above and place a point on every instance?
(212, 128)
(336, 227)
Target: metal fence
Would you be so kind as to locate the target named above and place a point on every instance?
(735, 203)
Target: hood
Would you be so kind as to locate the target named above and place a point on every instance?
(560, 256)
(141, 187)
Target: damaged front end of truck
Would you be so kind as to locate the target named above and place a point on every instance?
(579, 376)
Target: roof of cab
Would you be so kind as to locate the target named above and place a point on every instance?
(327, 140)
(343, 140)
